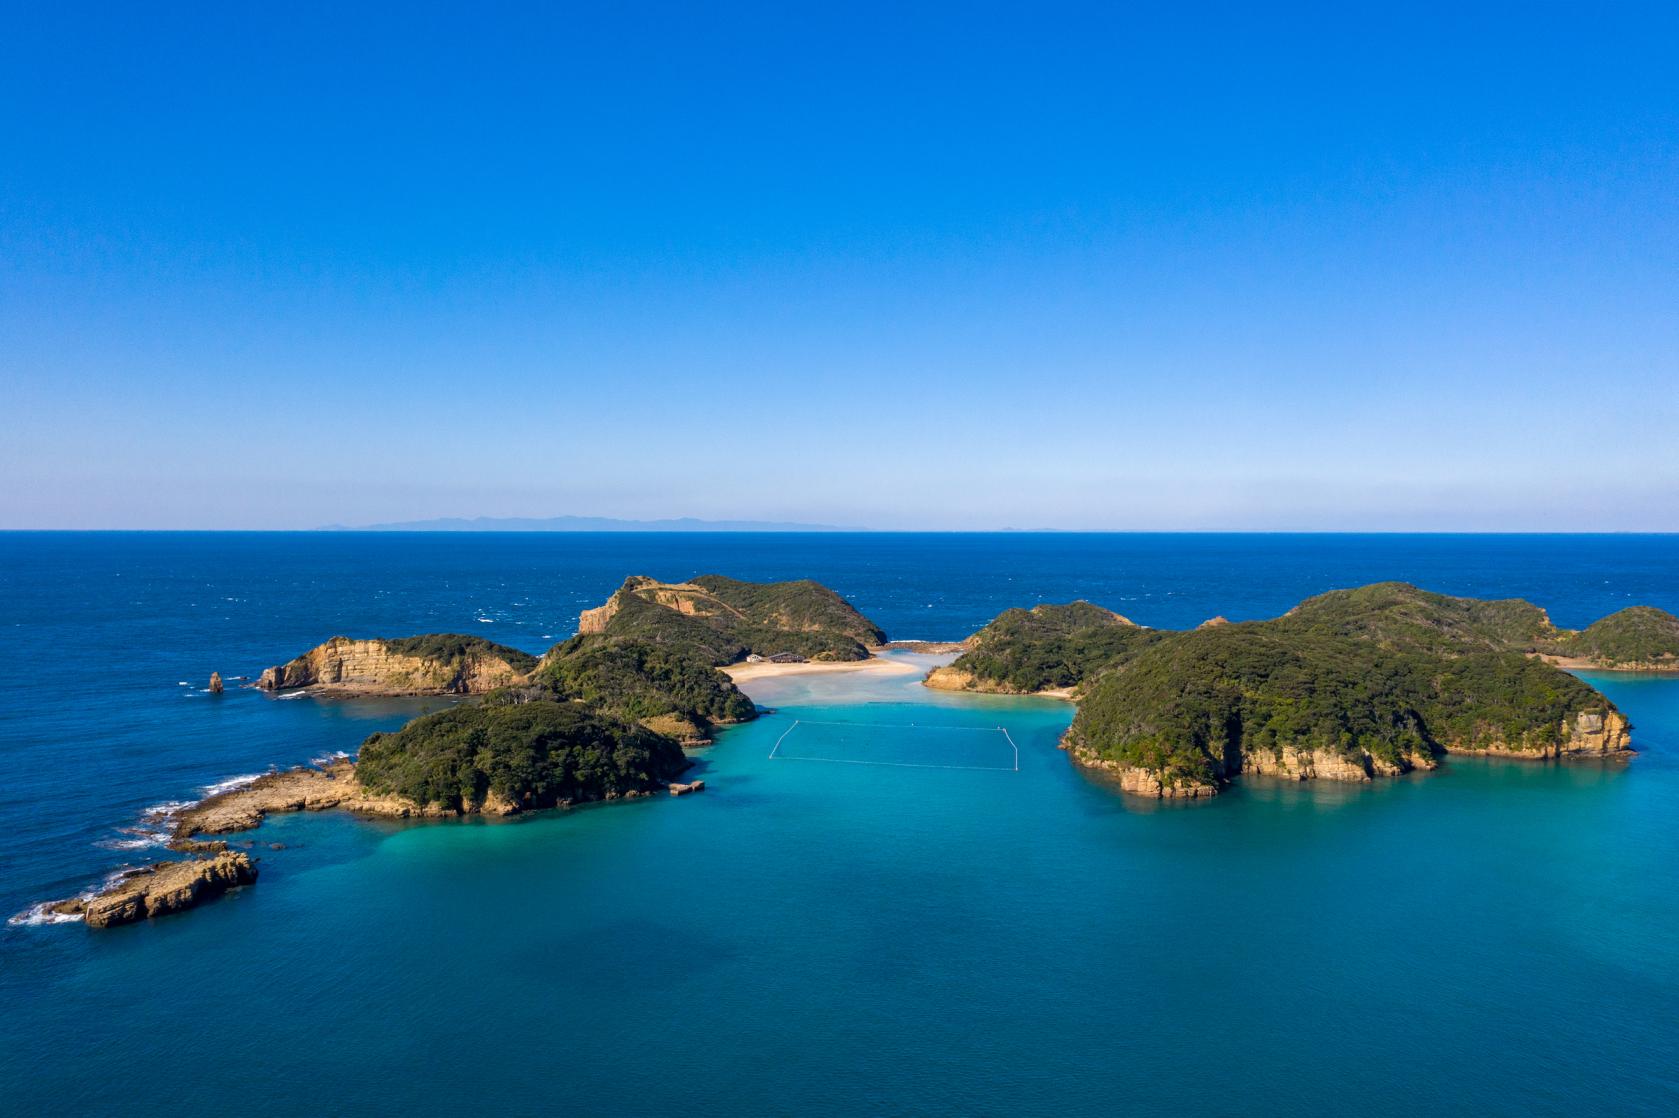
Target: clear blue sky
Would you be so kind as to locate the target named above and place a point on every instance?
(1362, 267)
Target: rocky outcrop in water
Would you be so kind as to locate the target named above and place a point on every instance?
(215, 683)
(443, 664)
(160, 890)
(299, 789)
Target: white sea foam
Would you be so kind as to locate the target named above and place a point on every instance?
(230, 784)
(167, 809)
(329, 758)
(136, 842)
(137, 838)
(36, 915)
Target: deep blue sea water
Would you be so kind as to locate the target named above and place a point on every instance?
(810, 937)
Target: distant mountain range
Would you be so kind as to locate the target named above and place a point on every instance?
(584, 524)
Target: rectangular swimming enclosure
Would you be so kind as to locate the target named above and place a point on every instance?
(899, 745)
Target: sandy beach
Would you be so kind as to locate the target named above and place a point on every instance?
(899, 658)
(886, 672)
(874, 665)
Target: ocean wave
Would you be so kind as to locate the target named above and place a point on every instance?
(37, 915)
(329, 758)
(136, 838)
(231, 783)
(166, 810)
(157, 822)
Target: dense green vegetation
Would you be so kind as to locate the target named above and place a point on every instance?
(454, 648)
(1050, 646)
(1398, 615)
(1386, 671)
(1190, 706)
(534, 754)
(724, 620)
(667, 686)
(602, 714)
(1635, 635)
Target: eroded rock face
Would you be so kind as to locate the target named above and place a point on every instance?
(1291, 763)
(165, 888)
(1138, 780)
(1593, 732)
(373, 667)
(1147, 782)
(1586, 734)
(950, 678)
(215, 683)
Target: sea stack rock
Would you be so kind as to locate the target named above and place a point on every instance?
(215, 683)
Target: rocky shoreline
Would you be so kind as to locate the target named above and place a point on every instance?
(1591, 737)
(951, 678)
(447, 665)
(159, 890)
(165, 888)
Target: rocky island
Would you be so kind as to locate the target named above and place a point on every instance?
(160, 890)
(602, 716)
(434, 664)
(726, 620)
(1349, 685)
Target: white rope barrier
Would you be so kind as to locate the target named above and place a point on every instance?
(776, 754)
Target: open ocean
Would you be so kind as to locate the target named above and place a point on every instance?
(813, 938)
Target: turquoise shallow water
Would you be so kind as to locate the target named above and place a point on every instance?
(821, 938)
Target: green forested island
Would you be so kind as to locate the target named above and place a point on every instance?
(1045, 648)
(1348, 685)
(725, 620)
(1635, 637)
(506, 755)
(598, 716)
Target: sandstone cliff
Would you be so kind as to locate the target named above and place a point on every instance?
(436, 665)
(1587, 734)
(1291, 763)
(1139, 780)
